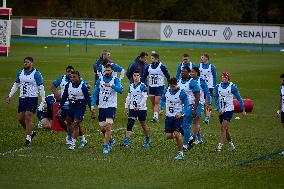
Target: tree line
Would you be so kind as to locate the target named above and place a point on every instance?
(244, 11)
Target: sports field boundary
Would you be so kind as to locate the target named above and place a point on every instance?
(146, 43)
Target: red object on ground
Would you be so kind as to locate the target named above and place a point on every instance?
(248, 105)
(55, 125)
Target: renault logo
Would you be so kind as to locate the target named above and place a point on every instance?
(227, 33)
(168, 31)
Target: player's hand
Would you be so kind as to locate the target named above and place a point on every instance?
(220, 112)
(178, 115)
(278, 113)
(126, 111)
(244, 113)
(8, 100)
(161, 112)
(208, 107)
(137, 107)
(93, 114)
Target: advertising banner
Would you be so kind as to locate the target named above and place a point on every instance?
(5, 31)
(73, 28)
(220, 33)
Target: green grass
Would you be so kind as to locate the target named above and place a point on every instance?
(48, 163)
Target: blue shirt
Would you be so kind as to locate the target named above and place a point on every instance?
(154, 66)
(116, 87)
(58, 81)
(136, 65)
(98, 63)
(38, 78)
(116, 68)
(85, 90)
(213, 70)
(234, 91)
(182, 96)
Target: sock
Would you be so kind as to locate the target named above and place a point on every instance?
(69, 136)
(147, 139)
(29, 138)
(156, 115)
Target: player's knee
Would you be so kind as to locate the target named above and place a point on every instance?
(130, 124)
(169, 135)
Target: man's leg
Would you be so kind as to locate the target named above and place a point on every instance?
(21, 119)
(178, 137)
(157, 100)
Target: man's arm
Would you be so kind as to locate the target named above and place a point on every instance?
(165, 72)
(236, 92)
(117, 86)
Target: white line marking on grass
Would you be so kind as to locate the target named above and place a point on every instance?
(14, 151)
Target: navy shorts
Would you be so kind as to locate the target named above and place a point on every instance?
(140, 114)
(105, 113)
(282, 117)
(226, 116)
(156, 91)
(27, 104)
(77, 111)
(173, 124)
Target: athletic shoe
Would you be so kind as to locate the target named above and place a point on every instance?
(231, 146)
(190, 144)
(111, 142)
(39, 125)
(185, 148)
(33, 135)
(155, 120)
(281, 153)
(72, 145)
(83, 143)
(125, 143)
(179, 156)
(27, 142)
(106, 149)
(206, 120)
(219, 147)
(147, 143)
(199, 139)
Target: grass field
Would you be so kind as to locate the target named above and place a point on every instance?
(48, 163)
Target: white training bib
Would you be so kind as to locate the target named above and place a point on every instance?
(28, 86)
(226, 98)
(136, 96)
(173, 103)
(207, 75)
(107, 95)
(156, 76)
(75, 93)
(188, 91)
